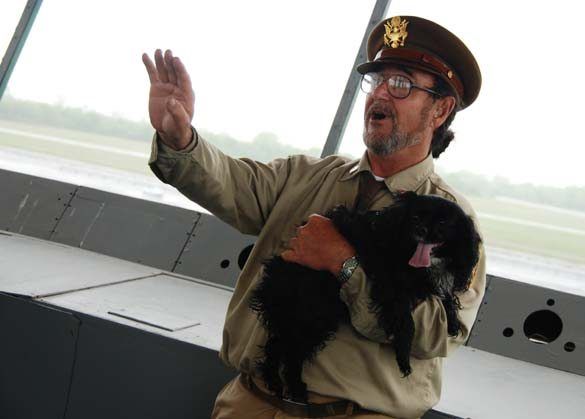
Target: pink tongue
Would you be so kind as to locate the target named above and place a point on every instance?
(422, 255)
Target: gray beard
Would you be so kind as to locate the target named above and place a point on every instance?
(397, 140)
(386, 146)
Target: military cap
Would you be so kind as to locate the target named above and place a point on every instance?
(422, 44)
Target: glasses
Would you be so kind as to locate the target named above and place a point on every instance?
(398, 86)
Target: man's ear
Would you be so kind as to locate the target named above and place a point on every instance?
(443, 108)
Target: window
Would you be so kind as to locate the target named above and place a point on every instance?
(517, 150)
(267, 76)
(11, 11)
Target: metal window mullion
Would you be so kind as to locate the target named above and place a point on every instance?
(17, 42)
(351, 87)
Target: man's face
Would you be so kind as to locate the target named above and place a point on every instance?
(392, 124)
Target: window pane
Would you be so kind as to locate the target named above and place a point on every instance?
(268, 77)
(10, 12)
(518, 149)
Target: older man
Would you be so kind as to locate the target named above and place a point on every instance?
(417, 76)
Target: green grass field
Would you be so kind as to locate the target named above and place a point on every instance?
(502, 222)
(79, 153)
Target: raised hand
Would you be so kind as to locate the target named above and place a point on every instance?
(171, 99)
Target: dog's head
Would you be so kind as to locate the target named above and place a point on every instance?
(429, 229)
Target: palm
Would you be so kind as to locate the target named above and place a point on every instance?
(171, 99)
(160, 117)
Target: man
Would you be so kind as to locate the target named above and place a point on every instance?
(417, 76)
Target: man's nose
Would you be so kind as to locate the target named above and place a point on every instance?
(381, 92)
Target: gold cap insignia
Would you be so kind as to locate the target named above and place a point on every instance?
(395, 32)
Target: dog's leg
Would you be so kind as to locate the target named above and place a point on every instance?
(395, 319)
(403, 335)
(453, 324)
(293, 369)
(270, 366)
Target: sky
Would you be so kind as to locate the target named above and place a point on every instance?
(267, 66)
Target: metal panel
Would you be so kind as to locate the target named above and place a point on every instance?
(511, 309)
(179, 308)
(214, 252)
(140, 231)
(36, 267)
(37, 350)
(122, 373)
(481, 385)
(32, 205)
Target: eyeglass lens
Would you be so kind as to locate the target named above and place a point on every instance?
(398, 86)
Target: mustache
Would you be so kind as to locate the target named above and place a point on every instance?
(382, 107)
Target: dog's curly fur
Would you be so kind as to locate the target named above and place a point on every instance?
(301, 309)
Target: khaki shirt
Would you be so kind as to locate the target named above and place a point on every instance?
(270, 201)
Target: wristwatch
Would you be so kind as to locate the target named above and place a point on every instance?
(347, 269)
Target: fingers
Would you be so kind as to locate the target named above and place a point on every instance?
(183, 79)
(293, 243)
(317, 218)
(163, 75)
(168, 60)
(167, 69)
(288, 255)
(316, 221)
(150, 68)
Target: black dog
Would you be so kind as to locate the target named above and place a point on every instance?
(416, 248)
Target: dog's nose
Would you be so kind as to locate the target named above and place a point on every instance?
(422, 231)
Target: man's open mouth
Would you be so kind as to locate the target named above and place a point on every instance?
(378, 112)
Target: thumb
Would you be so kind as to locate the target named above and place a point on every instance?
(288, 256)
(178, 113)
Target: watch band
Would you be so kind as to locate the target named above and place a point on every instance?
(347, 269)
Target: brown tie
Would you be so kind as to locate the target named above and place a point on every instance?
(368, 189)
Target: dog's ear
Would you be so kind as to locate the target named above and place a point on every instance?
(466, 253)
(390, 220)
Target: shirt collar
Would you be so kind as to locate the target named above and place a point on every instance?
(409, 179)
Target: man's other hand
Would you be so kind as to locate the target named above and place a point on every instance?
(318, 245)
(171, 100)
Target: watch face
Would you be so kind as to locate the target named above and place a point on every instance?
(347, 269)
(350, 263)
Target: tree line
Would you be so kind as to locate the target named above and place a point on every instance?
(266, 146)
(472, 184)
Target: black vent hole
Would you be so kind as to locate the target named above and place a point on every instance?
(243, 257)
(543, 326)
(508, 332)
(224, 263)
(569, 346)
